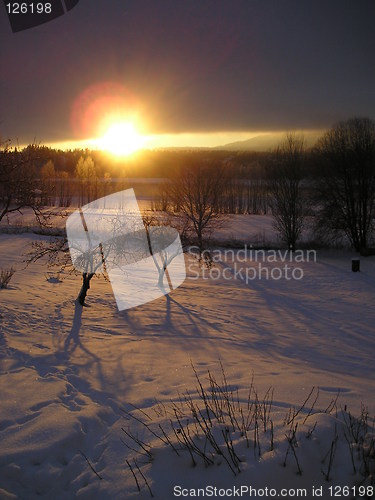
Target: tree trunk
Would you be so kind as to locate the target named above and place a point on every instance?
(86, 278)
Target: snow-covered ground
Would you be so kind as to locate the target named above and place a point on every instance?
(68, 376)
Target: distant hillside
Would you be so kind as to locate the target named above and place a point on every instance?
(265, 142)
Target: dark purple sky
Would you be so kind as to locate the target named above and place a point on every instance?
(189, 66)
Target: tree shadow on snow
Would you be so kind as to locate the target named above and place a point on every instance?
(171, 320)
(73, 340)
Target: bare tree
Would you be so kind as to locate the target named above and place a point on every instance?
(285, 173)
(195, 194)
(346, 186)
(161, 244)
(57, 252)
(122, 248)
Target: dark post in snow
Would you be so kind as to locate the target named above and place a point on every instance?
(356, 265)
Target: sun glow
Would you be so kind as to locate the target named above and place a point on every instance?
(121, 139)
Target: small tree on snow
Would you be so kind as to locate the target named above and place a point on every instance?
(121, 249)
(285, 173)
(346, 181)
(195, 194)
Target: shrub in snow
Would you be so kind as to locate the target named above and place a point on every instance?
(6, 276)
(218, 436)
(53, 277)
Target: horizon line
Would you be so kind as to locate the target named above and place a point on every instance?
(187, 140)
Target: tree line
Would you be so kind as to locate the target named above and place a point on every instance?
(332, 184)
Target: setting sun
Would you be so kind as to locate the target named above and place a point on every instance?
(121, 139)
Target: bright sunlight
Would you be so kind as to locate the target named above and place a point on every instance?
(121, 139)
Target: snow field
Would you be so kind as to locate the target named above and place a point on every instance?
(67, 374)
